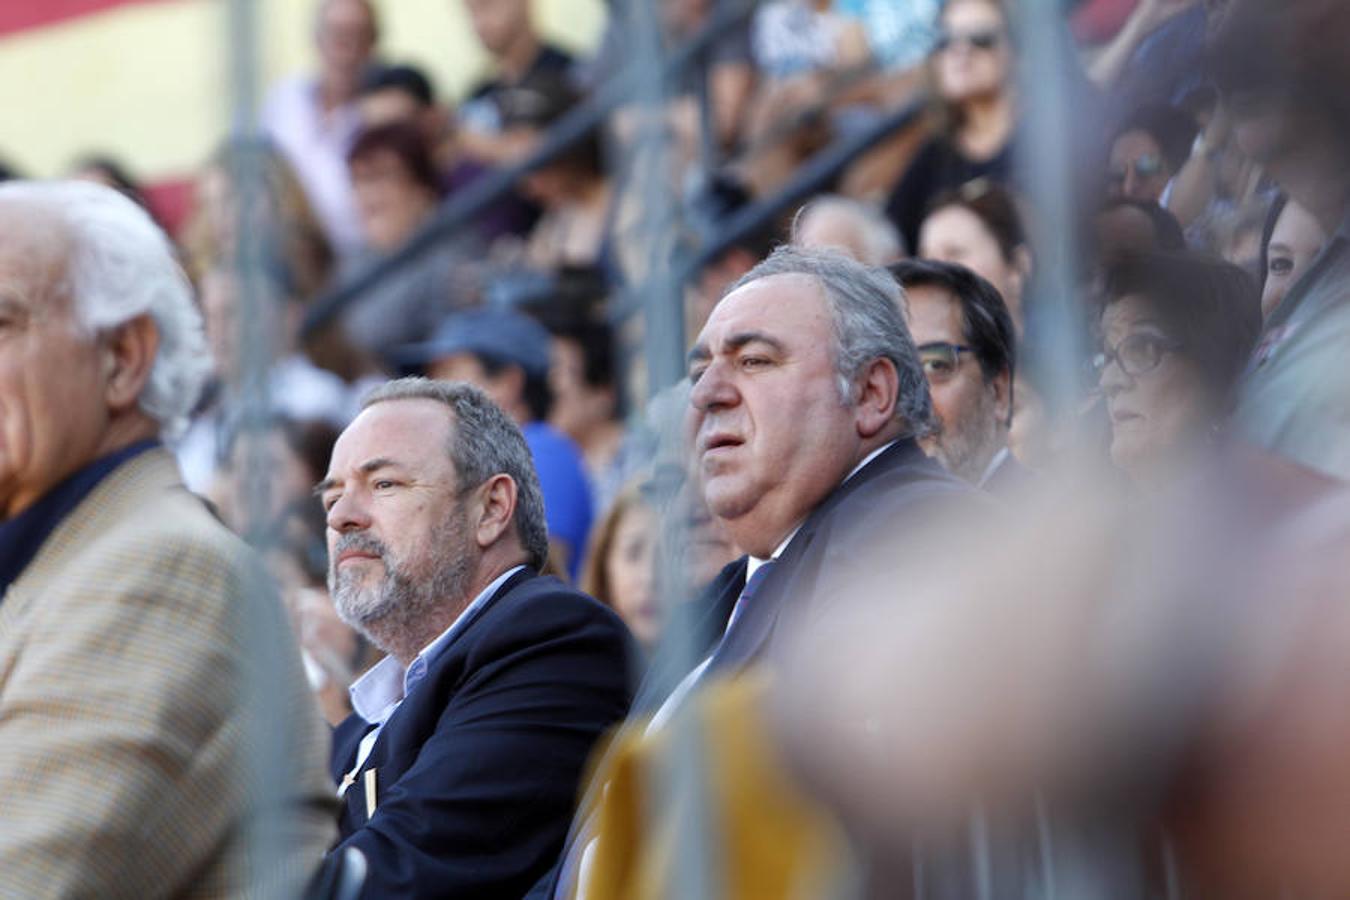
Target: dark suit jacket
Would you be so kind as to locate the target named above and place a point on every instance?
(857, 526)
(860, 521)
(477, 771)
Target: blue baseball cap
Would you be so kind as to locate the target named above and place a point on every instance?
(501, 335)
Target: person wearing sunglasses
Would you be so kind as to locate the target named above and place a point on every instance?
(965, 338)
(1175, 332)
(1148, 151)
(971, 69)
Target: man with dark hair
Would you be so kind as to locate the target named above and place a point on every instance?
(520, 57)
(965, 339)
(507, 354)
(460, 765)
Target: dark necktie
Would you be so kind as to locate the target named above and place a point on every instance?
(744, 603)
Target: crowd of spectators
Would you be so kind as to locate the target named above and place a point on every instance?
(1207, 294)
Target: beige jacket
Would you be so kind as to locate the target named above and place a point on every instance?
(153, 710)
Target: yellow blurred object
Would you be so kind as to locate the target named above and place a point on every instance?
(767, 840)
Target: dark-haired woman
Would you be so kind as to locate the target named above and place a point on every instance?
(980, 227)
(972, 70)
(1176, 331)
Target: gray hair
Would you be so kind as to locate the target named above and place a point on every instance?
(121, 266)
(865, 304)
(880, 239)
(486, 442)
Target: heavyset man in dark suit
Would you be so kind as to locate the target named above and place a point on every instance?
(807, 400)
(459, 768)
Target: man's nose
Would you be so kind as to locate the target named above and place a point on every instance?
(713, 390)
(348, 513)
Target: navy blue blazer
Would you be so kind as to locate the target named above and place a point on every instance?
(477, 772)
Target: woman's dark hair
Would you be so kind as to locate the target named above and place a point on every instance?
(541, 101)
(1168, 235)
(405, 79)
(1172, 129)
(1268, 232)
(406, 142)
(995, 207)
(1212, 307)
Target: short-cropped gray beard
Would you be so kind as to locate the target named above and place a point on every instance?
(394, 615)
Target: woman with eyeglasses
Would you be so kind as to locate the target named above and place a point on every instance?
(972, 72)
(1176, 331)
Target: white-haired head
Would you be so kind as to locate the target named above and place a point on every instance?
(120, 265)
(835, 222)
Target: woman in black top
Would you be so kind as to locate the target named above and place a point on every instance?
(972, 67)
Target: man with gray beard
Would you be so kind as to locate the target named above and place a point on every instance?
(459, 768)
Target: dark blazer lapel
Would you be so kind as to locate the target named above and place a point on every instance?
(793, 569)
(707, 617)
(430, 694)
(346, 739)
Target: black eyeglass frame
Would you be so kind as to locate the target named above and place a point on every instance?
(1107, 355)
(984, 39)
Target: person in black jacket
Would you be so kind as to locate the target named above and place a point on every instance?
(459, 769)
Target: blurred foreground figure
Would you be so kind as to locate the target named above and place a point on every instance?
(1164, 715)
(125, 603)
(460, 766)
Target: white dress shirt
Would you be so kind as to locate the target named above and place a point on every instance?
(316, 144)
(378, 693)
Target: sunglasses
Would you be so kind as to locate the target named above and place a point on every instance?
(1145, 166)
(940, 360)
(975, 40)
(1138, 354)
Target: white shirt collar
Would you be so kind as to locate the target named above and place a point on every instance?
(376, 694)
(999, 459)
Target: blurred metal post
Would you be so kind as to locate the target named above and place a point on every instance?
(267, 756)
(1050, 165)
(680, 785)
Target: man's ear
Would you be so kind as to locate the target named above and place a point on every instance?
(878, 393)
(1003, 405)
(130, 351)
(496, 509)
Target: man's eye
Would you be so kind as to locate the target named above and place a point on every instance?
(696, 374)
(1281, 265)
(329, 502)
(937, 367)
(753, 362)
(384, 484)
